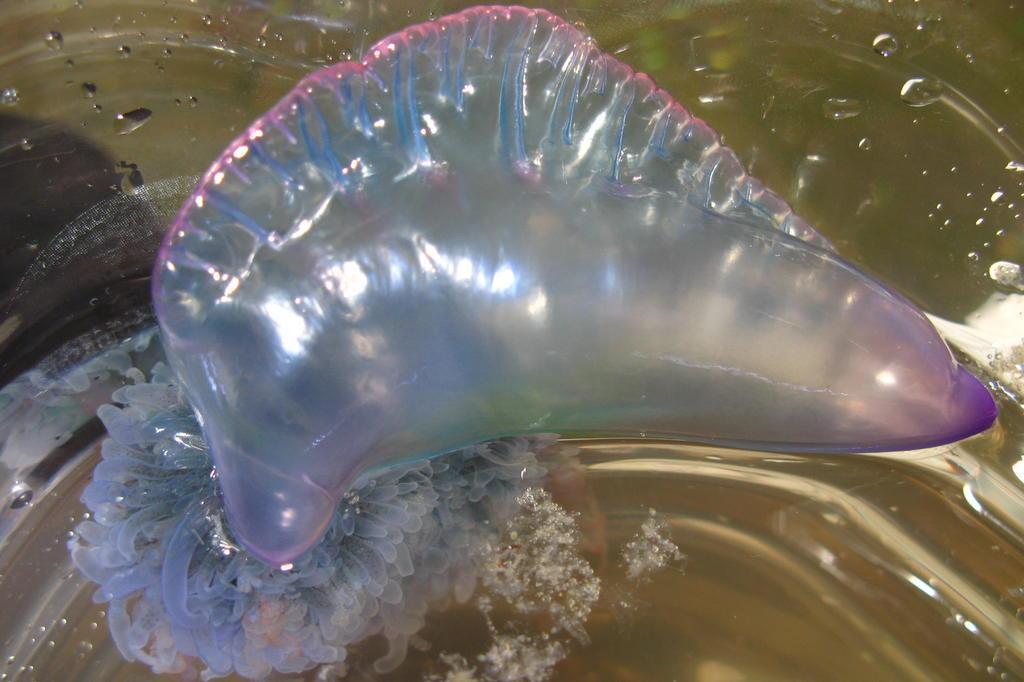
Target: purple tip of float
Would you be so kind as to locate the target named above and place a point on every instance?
(964, 408)
(976, 407)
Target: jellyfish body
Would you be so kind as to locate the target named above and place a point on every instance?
(488, 227)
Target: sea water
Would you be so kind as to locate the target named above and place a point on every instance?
(893, 127)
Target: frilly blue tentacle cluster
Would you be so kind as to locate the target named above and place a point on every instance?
(183, 596)
(41, 409)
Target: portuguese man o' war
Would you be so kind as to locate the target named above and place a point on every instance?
(386, 297)
(490, 228)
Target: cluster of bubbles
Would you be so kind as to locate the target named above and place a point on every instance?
(538, 573)
(1008, 274)
(651, 549)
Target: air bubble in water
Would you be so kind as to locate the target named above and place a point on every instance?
(54, 40)
(124, 50)
(864, 144)
(1008, 274)
(885, 44)
(920, 92)
(89, 90)
(21, 500)
(1016, 166)
(839, 108)
(131, 120)
(9, 96)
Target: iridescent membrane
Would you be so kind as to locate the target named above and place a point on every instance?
(489, 227)
(183, 597)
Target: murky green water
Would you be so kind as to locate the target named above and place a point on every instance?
(894, 127)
